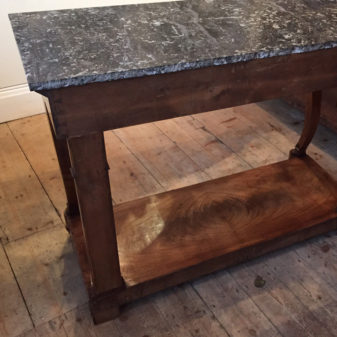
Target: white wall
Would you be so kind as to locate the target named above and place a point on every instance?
(15, 99)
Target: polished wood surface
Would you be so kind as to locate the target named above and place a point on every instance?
(110, 105)
(161, 234)
(176, 236)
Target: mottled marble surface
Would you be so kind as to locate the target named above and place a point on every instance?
(74, 47)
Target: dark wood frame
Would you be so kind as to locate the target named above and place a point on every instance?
(79, 115)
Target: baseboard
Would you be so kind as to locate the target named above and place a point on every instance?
(18, 102)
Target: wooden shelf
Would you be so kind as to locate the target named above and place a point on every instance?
(161, 234)
(212, 221)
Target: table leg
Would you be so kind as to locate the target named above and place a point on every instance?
(312, 116)
(90, 171)
(62, 152)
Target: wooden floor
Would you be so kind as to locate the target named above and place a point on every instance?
(291, 293)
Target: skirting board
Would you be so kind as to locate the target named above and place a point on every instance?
(18, 102)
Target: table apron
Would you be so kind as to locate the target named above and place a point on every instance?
(97, 107)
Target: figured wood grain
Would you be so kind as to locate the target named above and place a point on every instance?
(171, 231)
(136, 291)
(103, 106)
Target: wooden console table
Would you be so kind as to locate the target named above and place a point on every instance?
(112, 67)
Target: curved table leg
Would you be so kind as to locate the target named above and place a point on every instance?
(312, 116)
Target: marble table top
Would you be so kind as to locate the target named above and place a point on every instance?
(74, 47)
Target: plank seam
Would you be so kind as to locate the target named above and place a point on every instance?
(209, 308)
(140, 162)
(220, 140)
(37, 176)
(317, 319)
(252, 299)
(19, 287)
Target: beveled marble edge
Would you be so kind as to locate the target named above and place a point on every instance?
(136, 73)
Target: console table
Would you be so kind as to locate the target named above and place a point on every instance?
(111, 67)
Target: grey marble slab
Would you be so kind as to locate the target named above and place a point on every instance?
(74, 47)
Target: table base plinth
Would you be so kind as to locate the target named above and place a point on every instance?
(176, 236)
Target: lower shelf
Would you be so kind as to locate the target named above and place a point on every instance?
(207, 226)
